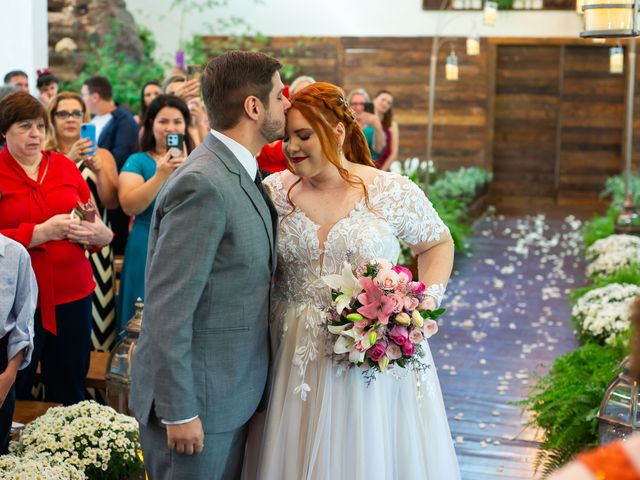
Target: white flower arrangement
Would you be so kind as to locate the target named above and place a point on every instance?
(610, 262)
(614, 243)
(94, 438)
(42, 467)
(604, 312)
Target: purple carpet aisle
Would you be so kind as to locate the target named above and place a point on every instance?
(507, 318)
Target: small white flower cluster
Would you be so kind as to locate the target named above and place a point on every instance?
(41, 467)
(614, 243)
(604, 312)
(610, 262)
(411, 166)
(83, 435)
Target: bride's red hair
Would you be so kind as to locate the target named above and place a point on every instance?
(324, 105)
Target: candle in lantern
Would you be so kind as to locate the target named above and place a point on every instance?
(490, 13)
(616, 60)
(473, 46)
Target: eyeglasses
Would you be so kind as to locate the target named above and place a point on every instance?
(63, 114)
(357, 104)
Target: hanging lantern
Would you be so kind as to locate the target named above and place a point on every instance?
(118, 375)
(616, 60)
(490, 13)
(473, 46)
(610, 18)
(451, 68)
(618, 416)
(579, 5)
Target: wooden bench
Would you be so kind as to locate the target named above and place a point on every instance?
(26, 411)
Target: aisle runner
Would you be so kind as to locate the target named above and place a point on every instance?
(507, 317)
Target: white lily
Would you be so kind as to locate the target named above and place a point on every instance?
(347, 341)
(396, 167)
(347, 284)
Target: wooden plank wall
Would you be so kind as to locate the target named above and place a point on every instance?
(526, 115)
(544, 114)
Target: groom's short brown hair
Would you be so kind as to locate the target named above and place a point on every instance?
(229, 79)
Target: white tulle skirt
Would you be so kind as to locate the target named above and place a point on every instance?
(395, 428)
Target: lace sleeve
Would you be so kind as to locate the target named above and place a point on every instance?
(274, 188)
(409, 211)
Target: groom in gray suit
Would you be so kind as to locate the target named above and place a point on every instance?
(200, 368)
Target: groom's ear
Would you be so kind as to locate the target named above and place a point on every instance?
(252, 107)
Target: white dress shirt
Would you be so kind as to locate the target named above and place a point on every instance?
(100, 121)
(250, 164)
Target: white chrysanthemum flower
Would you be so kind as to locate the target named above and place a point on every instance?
(614, 243)
(604, 312)
(610, 262)
(84, 435)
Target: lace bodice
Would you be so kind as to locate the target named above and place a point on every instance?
(399, 210)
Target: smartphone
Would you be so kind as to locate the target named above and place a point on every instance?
(88, 130)
(175, 143)
(368, 107)
(194, 72)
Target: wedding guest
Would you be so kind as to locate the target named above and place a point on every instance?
(299, 83)
(189, 91)
(7, 89)
(383, 108)
(618, 460)
(66, 113)
(17, 78)
(116, 131)
(369, 122)
(141, 178)
(18, 299)
(149, 92)
(47, 85)
(40, 189)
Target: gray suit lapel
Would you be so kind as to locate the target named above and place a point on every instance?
(230, 161)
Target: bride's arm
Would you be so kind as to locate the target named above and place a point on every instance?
(435, 262)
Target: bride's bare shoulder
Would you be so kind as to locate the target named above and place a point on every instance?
(366, 173)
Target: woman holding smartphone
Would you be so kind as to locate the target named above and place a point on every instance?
(97, 166)
(141, 178)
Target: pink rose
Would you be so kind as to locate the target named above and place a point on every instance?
(384, 264)
(404, 274)
(387, 279)
(428, 303)
(415, 335)
(398, 301)
(430, 328)
(399, 335)
(394, 352)
(408, 349)
(417, 287)
(411, 303)
(378, 351)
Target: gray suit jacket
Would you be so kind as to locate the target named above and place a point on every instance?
(204, 348)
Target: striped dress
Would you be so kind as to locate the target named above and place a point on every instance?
(103, 311)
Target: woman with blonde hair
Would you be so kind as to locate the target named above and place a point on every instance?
(323, 421)
(66, 113)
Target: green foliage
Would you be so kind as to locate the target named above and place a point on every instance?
(564, 403)
(461, 184)
(630, 275)
(614, 188)
(126, 76)
(600, 226)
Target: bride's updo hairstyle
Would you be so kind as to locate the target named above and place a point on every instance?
(324, 105)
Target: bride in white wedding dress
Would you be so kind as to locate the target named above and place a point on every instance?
(324, 422)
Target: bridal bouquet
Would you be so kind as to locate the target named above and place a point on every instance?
(379, 317)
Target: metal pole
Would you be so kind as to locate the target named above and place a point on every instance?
(432, 99)
(628, 123)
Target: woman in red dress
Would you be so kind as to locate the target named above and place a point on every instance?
(39, 191)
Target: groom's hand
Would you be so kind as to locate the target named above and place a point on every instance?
(186, 438)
